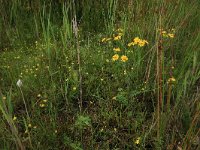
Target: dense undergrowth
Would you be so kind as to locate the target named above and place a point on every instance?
(126, 77)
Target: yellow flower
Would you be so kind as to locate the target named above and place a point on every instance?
(120, 30)
(164, 32)
(74, 88)
(45, 100)
(42, 105)
(117, 49)
(14, 118)
(107, 60)
(4, 98)
(141, 43)
(124, 58)
(136, 40)
(115, 57)
(146, 41)
(103, 40)
(114, 98)
(118, 37)
(120, 34)
(108, 39)
(29, 125)
(171, 35)
(131, 44)
(137, 141)
(171, 80)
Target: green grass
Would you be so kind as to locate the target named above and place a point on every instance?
(119, 99)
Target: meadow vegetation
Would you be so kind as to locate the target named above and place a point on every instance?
(100, 75)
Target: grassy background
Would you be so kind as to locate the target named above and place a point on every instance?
(119, 100)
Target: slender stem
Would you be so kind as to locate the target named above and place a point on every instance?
(169, 96)
(28, 117)
(171, 75)
(75, 29)
(160, 49)
(159, 73)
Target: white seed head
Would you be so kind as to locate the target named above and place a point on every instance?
(19, 83)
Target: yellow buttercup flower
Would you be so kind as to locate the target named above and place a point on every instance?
(171, 35)
(108, 39)
(164, 34)
(142, 43)
(45, 100)
(136, 40)
(115, 57)
(114, 98)
(168, 35)
(118, 37)
(120, 34)
(39, 95)
(14, 118)
(171, 80)
(42, 105)
(120, 30)
(103, 40)
(137, 141)
(124, 58)
(117, 49)
(29, 125)
(130, 44)
(146, 41)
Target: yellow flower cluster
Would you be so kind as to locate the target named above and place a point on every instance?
(117, 49)
(124, 58)
(43, 103)
(171, 80)
(106, 40)
(116, 36)
(119, 30)
(138, 41)
(168, 34)
(119, 34)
